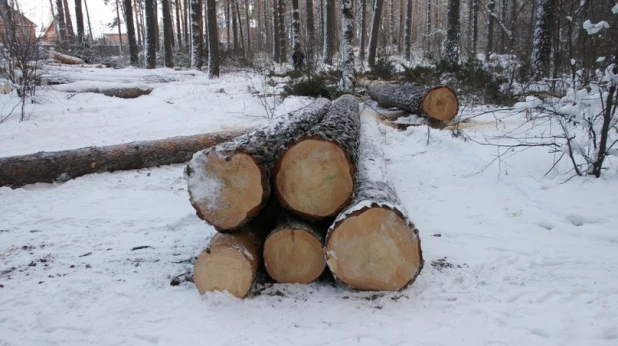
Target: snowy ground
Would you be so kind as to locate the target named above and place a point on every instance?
(512, 257)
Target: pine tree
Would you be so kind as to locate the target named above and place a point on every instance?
(128, 10)
(295, 25)
(491, 6)
(451, 44)
(61, 24)
(375, 27)
(168, 35)
(310, 35)
(363, 33)
(475, 26)
(213, 40)
(276, 33)
(151, 37)
(67, 21)
(178, 25)
(330, 37)
(79, 19)
(347, 45)
(197, 50)
(408, 29)
(282, 39)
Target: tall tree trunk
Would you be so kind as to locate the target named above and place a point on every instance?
(234, 25)
(248, 26)
(402, 24)
(79, 18)
(310, 35)
(197, 50)
(451, 45)
(168, 34)
(267, 27)
(128, 7)
(139, 21)
(61, 23)
(213, 40)
(347, 44)
(157, 29)
(543, 32)
(363, 32)
(329, 34)
(260, 26)
(119, 26)
(428, 26)
(295, 25)
(503, 6)
(491, 6)
(185, 22)
(375, 27)
(228, 24)
(178, 25)
(241, 37)
(88, 18)
(282, 38)
(276, 33)
(475, 26)
(391, 25)
(408, 37)
(68, 22)
(151, 37)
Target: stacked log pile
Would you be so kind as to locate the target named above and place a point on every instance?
(299, 196)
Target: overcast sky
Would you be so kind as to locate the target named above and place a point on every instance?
(39, 12)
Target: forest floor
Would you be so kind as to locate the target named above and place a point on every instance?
(513, 256)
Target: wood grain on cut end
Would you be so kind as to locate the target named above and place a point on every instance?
(239, 190)
(228, 264)
(314, 178)
(374, 250)
(441, 103)
(293, 255)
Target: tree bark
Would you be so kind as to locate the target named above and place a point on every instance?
(213, 40)
(68, 22)
(197, 49)
(61, 23)
(451, 45)
(347, 43)
(119, 25)
(234, 25)
(408, 34)
(151, 36)
(241, 37)
(47, 167)
(168, 35)
(428, 27)
(437, 103)
(295, 25)
(372, 245)
(178, 26)
(491, 6)
(310, 39)
(282, 39)
(542, 43)
(330, 37)
(128, 7)
(293, 251)
(276, 33)
(229, 184)
(375, 27)
(79, 19)
(248, 26)
(88, 18)
(316, 173)
(475, 26)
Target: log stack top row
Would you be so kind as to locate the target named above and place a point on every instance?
(306, 192)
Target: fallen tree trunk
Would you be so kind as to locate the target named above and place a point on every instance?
(372, 245)
(316, 173)
(65, 59)
(437, 103)
(293, 252)
(229, 184)
(64, 165)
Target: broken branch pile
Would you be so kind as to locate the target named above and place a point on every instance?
(332, 205)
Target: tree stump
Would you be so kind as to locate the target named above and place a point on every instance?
(316, 173)
(229, 184)
(372, 245)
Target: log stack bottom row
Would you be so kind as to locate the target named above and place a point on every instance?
(295, 197)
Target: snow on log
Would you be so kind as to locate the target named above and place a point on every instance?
(372, 245)
(228, 264)
(316, 173)
(120, 90)
(229, 184)
(65, 59)
(293, 252)
(437, 103)
(47, 167)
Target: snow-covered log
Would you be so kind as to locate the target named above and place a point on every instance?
(438, 103)
(293, 251)
(229, 263)
(47, 167)
(316, 173)
(65, 59)
(229, 184)
(372, 245)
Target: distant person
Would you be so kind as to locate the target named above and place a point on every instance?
(298, 58)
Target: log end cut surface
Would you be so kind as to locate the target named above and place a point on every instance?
(226, 190)
(374, 251)
(314, 178)
(228, 264)
(441, 103)
(294, 256)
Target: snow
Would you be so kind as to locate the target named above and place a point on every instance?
(595, 28)
(513, 257)
(615, 9)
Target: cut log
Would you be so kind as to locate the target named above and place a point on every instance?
(293, 252)
(229, 184)
(228, 264)
(65, 59)
(372, 245)
(64, 165)
(316, 173)
(438, 103)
